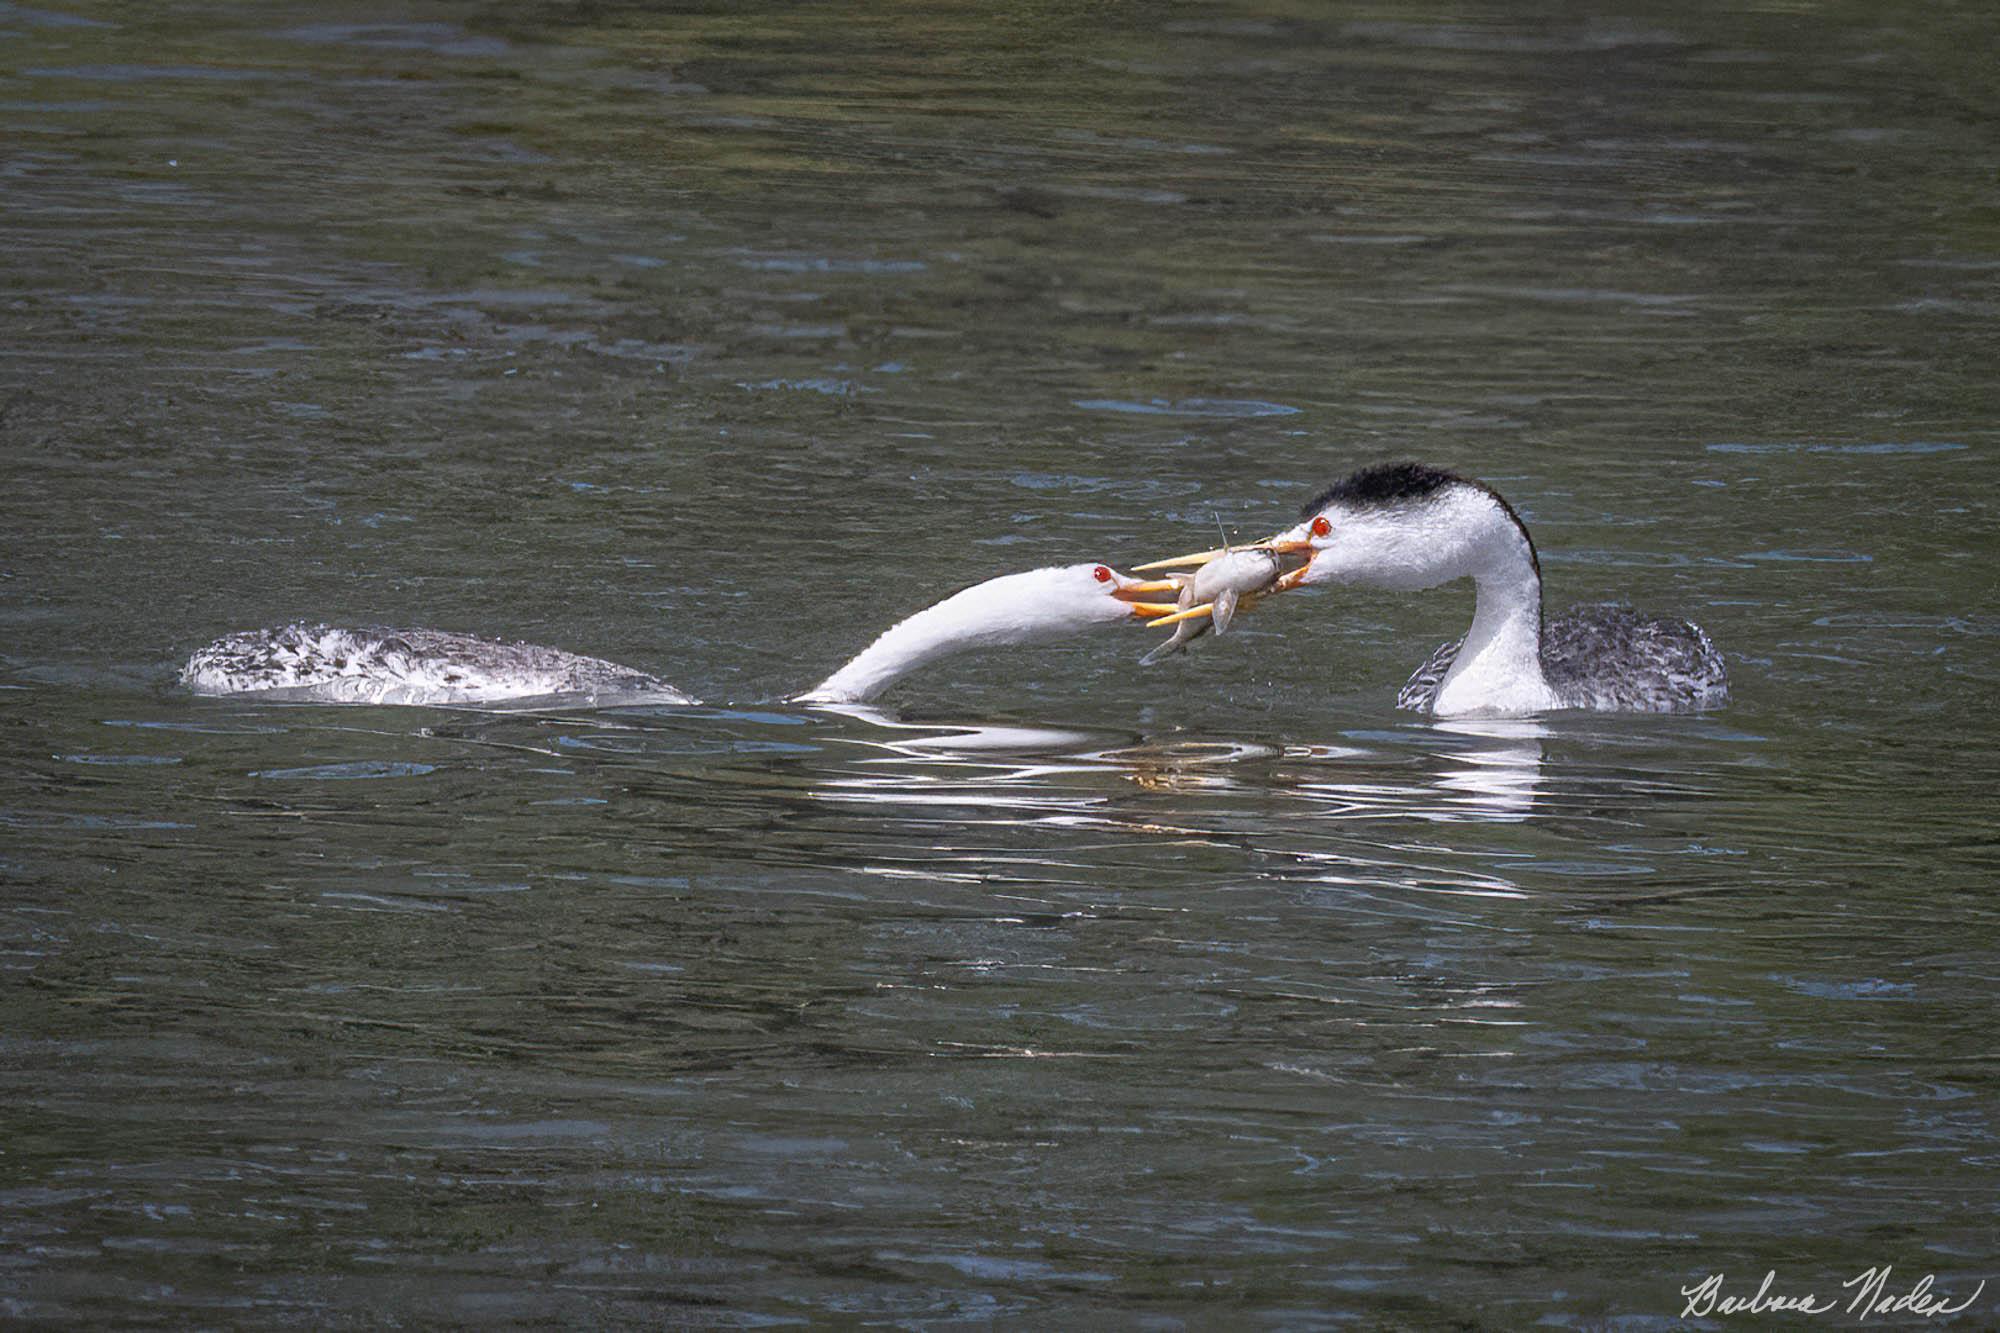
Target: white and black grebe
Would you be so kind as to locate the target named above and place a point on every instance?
(1406, 527)
(318, 663)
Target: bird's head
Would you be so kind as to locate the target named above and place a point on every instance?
(1064, 597)
(1400, 526)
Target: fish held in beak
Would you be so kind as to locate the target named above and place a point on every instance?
(1223, 585)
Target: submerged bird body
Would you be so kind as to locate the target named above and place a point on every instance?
(325, 664)
(1406, 527)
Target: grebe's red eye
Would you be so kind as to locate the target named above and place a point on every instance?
(1101, 574)
(1321, 527)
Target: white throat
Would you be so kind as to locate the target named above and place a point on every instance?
(1498, 671)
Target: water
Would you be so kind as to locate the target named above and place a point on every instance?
(1064, 992)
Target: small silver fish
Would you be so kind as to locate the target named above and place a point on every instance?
(1223, 581)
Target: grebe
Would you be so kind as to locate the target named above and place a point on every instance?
(1405, 526)
(318, 663)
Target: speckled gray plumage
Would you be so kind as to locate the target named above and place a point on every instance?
(1607, 656)
(375, 665)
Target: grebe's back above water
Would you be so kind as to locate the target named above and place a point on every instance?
(322, 664)
(1607, 657)
(1405, 527)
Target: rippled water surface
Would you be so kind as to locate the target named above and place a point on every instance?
(1061, 992)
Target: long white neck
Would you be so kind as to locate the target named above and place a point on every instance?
(902, 648)
(1499, 666)
(1013, 609)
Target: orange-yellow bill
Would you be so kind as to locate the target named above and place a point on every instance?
(1198, 558)
(1183, 561)
(1192, 613)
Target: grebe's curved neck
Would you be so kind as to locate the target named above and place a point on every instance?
(1499, 666)
(939, 631)
(1013, 609)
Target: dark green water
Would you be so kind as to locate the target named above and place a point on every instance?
(1218, 994)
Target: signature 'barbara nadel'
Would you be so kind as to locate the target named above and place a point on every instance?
(1868, 1293)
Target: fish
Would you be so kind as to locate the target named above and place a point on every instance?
(1223, 583)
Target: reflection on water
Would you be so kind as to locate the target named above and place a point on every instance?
(1496, 780)
(1494, 776)
(1013, 766)
(1063, 994)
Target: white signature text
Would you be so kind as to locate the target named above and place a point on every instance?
(1870, 1290)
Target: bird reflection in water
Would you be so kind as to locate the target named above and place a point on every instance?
(1477, 770)
(1001, 772)
(1021, 773)
(1466, 770)
(1497, 775)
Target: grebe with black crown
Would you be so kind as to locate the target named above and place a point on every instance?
(1406, 527)
(322, 664)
